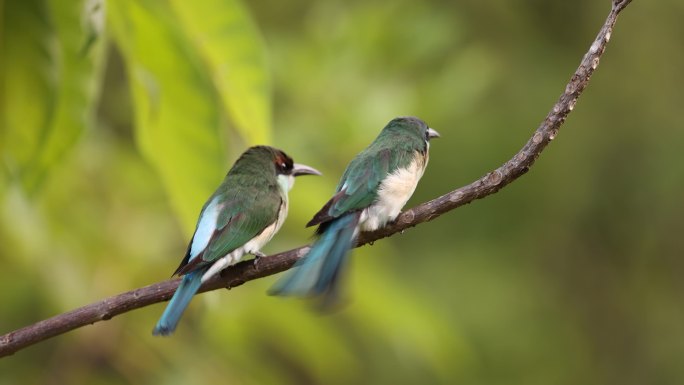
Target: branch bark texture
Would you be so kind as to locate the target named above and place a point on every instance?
(247, 271)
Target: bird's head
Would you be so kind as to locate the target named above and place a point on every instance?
(274, 160)
(412, 126)
(287, 170)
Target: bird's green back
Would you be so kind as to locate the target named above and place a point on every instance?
(248, 201)
(395, 148)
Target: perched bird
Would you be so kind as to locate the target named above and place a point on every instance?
(374, 188)
(242, 215)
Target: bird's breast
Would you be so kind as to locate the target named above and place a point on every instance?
(393, 193)
(256, 243)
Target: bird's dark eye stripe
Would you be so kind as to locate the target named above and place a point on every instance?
(283, 164)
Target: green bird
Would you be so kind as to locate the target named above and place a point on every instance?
(372, 191)
(242, 215)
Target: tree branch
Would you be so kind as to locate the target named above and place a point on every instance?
(247, 271)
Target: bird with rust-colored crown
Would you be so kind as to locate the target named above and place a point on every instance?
(242, 215)
(372, 191)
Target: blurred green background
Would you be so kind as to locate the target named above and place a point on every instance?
(120, 118)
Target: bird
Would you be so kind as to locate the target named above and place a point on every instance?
(240, 217)
(373, 189)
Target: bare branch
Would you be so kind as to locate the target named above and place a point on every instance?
(247, 271)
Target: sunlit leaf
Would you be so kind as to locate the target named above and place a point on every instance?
(49, 87)
(177, 114)
(231, 47)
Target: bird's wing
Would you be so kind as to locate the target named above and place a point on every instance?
(358, 187)
(239, 217)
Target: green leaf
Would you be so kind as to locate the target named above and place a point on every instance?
(29, 80)
(187, 63)
(79, 81)
(232, 49)
(177, 114)
(49, 88)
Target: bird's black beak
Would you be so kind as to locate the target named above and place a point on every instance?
(432, 133)
(302, 169)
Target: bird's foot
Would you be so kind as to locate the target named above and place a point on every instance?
(257, 255)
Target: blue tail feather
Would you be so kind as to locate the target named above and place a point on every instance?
(181, 298)
(318, 272)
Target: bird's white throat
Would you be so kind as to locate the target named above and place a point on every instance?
(286, 182)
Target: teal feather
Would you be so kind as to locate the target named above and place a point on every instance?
(179, 302)
(318, 274)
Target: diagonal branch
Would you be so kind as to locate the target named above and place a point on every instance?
(247, 271)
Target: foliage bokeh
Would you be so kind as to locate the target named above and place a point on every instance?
(572, 274)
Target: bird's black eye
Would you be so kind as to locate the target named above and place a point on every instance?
(283, 164)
